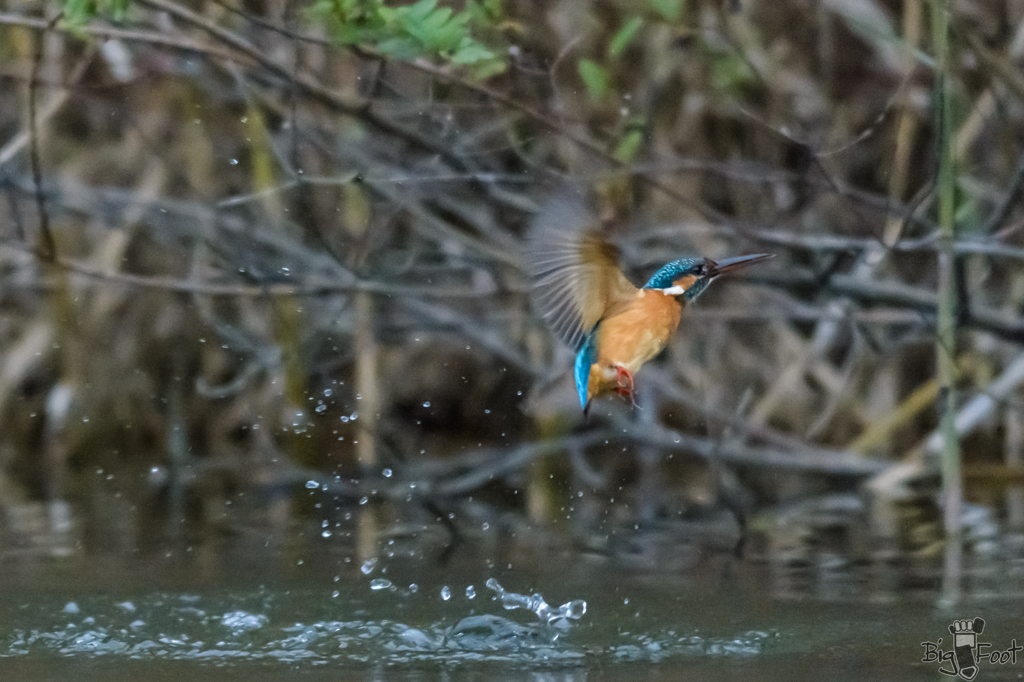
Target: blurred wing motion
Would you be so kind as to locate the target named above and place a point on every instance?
(575, 270)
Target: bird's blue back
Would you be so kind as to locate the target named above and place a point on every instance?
(584, 359)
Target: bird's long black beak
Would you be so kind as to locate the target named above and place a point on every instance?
(730, 264)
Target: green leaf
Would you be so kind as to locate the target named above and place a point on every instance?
(418, 11)
(629, 146)
(471, 52)
(400, 47)
(117, 8)
(487, 68)
(78, 12)
(670, 10)
(730, 72)
(485, 12)
(595, 78)
(411, 31)
(625, 36)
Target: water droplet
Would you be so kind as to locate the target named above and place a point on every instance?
(426, 403)
(364, 499)
(336, 594)
(470, 592)
(312, 485)
(387, 473)
(414, 588)
(573, 609)
(234, 162)
(328, 392)
(320, 408)
(446, 593)
(325, 534)
(380, 584)
(368, 566)
(241, 620)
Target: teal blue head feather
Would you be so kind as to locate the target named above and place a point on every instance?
(668, 275)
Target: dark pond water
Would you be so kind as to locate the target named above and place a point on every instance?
(482, 614)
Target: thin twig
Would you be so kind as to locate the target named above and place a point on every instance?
(14, 207)
(103, 31)
(324, 288)
(48, 248)
(1010, 197)
(495, 463)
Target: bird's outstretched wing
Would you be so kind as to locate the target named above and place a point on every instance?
(575, 271)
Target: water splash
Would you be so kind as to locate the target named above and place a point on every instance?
(535, 603)
(239, 621)
(263, 626)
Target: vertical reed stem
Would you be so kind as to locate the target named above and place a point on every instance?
(945, 348)
(368, 393)
(1014, 422)
(367, 382)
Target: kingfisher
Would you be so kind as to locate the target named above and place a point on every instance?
(613, 326)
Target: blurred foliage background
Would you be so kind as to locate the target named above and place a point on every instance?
(260, 263)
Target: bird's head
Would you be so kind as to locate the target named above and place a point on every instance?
(689, 277)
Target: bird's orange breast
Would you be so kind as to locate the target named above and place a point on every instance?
(634, 335)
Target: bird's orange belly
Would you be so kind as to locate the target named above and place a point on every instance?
(632, 337)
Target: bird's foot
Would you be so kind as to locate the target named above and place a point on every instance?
(625, 377)
(625, 387)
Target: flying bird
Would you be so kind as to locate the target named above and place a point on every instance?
(580, 291)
